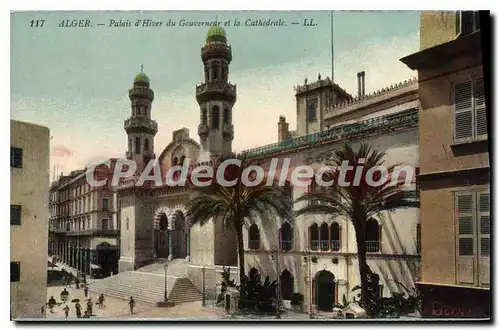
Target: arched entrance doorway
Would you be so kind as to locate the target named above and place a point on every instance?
(286, 282)
(180, 236)
(324, 290)
(107, 258)
(161, 237)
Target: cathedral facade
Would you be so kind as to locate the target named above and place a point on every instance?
(313, 255)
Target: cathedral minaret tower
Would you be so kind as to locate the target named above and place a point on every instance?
(140, 129)
(216, 96)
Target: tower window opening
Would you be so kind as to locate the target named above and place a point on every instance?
(146, 144)
(215, 117)
(215, 72)
(226, 116)
(137, 145)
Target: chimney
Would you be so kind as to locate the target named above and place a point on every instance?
(282, 129)
(361, 84)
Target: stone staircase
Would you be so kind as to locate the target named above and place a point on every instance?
(176, 267)
(147, 287)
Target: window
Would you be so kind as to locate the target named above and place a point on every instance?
(146, 144)
(215, 117)
(105, 224)
(15, 272)
(126, 223)
(226, 116)
(324, 236)
(311, 110)
(467, 22)
(470, 120)
(472, 211)
(286, 237)
(254, 237)
(335, 237)
(175, 161)
(372, 236)
(182, 159)
(419, 234)
(314, 237)
(15, 215)
(16, 157)
(105, 204)
(137, 145)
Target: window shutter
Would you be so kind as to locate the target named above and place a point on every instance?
(480, 104)
(463, 119)
(466, 241)
(483, 210)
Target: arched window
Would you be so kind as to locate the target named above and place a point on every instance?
(286, 282)
(372, 236)
(204, 116)
(313, 237)
(175, 161)
(181, 161)
(163, 222)
(130, 145)
(324, 236)
(215, 117)
(226, 115)
(215, 71)
(137, 145)
(146, 144)
(286, 237)
(335, 237)
(254, 237)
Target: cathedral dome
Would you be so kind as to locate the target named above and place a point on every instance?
(216, 33)
(141, 78)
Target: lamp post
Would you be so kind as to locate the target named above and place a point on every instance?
(308, 279)
(165, 302)
(278, 284)
(165, 295)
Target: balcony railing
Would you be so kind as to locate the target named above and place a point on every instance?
(92, 232)
(314, 245)
(286, 245)
(373, 246)
(335, 245)
(387, 123)
(324, 245)
(254, 244)
(142, 122)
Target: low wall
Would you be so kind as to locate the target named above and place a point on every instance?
(206, 278)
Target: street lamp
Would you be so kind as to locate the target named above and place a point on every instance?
(165, 302)
(308, 278)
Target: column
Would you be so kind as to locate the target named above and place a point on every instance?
(188, 244)
(169, 244)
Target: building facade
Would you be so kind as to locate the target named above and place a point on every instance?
(454, 158)
(315, 256)
(83, 228)
(29, 177)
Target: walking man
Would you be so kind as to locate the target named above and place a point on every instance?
(101, 301)
(78, 309)
(131, 304)
(66, 311)
(89, 306)
(86, 290)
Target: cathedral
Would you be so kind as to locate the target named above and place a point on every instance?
(313, 255)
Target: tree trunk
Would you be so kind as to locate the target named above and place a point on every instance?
(241, 257)
(363, 270)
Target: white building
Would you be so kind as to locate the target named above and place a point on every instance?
(29, 178)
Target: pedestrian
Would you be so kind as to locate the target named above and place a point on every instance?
(86, 290)
(66, 311)
(64, 295)
(43, 311)
(52, 303)
(89, 306)
(101, 301)
(131, 304)
(78, 309)
(77, 282)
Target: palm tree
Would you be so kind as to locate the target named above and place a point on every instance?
(358, 203)
(238, 204)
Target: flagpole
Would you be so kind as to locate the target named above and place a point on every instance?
(331, 37)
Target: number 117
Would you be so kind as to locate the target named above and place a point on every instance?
(37, 23)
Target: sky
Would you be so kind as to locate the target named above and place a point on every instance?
(75, 80)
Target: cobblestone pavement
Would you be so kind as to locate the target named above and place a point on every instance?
(116, 308)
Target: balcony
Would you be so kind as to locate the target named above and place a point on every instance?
(253, 244)
(372, 246)
(221, 90)
(216, 49)
(314, 245)
(379, 125)
(93, 232)
(335, 245)
(324, 245)
(286, 245)
(139, 124)
(228, 131)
